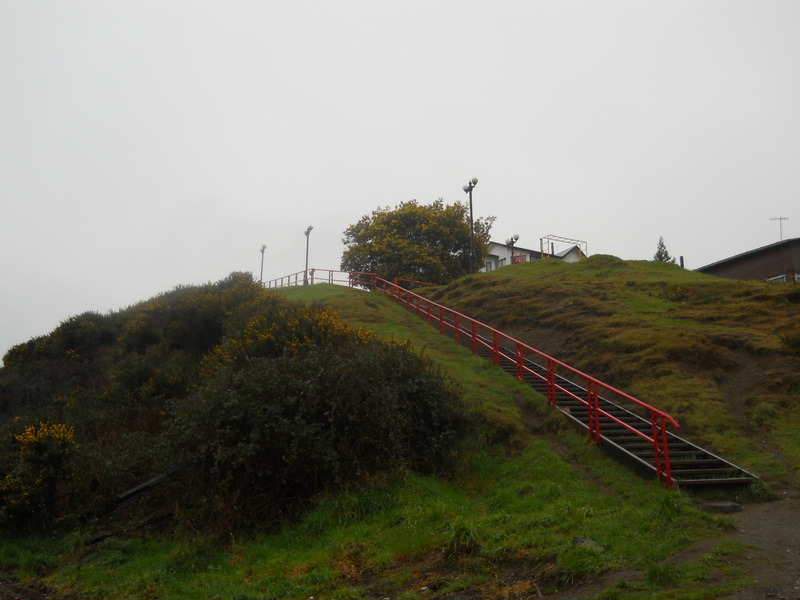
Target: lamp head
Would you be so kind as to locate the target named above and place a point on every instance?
(263, 247)
(474, 181)
(516, 237)
(466, 187)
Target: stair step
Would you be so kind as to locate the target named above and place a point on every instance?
(700, 461)
(725, 472)
(714, 481)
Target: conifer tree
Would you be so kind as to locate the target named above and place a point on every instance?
(662, 255)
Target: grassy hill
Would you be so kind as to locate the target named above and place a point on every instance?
(722, 356)
(531, 507)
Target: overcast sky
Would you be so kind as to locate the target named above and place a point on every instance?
(150, 143)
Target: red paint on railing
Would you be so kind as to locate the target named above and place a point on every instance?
(516, 352)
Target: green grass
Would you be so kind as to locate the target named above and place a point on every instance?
(719, 355)
(505, 522)
(405, 532)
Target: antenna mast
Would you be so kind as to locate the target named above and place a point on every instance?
(780, 223)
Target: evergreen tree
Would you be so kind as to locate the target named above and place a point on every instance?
(662, 255)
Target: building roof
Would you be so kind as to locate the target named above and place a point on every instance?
(766, 262)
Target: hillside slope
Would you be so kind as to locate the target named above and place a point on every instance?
(532, 508)
(722, 356)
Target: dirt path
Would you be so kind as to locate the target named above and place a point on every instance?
(772, 532)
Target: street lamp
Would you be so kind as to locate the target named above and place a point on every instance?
(510, 242)
(468, 189)
(305, 273)
(261, 277)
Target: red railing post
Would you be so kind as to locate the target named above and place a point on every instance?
(656, 443)
(661, 448)
(474, 337)
(665, 451)
(552, 391)
(594, 410)
(496, 347)
(456, 328)
(441, 319)
(520, 351)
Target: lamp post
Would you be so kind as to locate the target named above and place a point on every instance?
(261, 277)
(305, 273)
(468, 189)
(510, 242)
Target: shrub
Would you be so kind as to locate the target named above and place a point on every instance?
(29, 488)
(270, 400)
(273, 434)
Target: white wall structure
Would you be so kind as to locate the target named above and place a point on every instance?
(504, 254)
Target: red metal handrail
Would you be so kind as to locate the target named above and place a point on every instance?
(397, 281)
(505, 348)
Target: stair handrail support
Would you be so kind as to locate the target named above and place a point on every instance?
(551, 381)
(593, 401)
(519, 351)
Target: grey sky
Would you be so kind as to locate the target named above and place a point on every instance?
(150, 143)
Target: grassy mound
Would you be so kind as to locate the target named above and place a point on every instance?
(529, 508)
(722, 356)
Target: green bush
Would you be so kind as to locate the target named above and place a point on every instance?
(270, 401)
(273, 434)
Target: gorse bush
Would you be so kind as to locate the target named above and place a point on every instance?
(274, 433)
(268, 401)
(35, 462)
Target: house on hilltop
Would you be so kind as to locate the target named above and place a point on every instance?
(503, 254)
(776, 262)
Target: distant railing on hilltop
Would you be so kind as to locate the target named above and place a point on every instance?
(348, 278)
